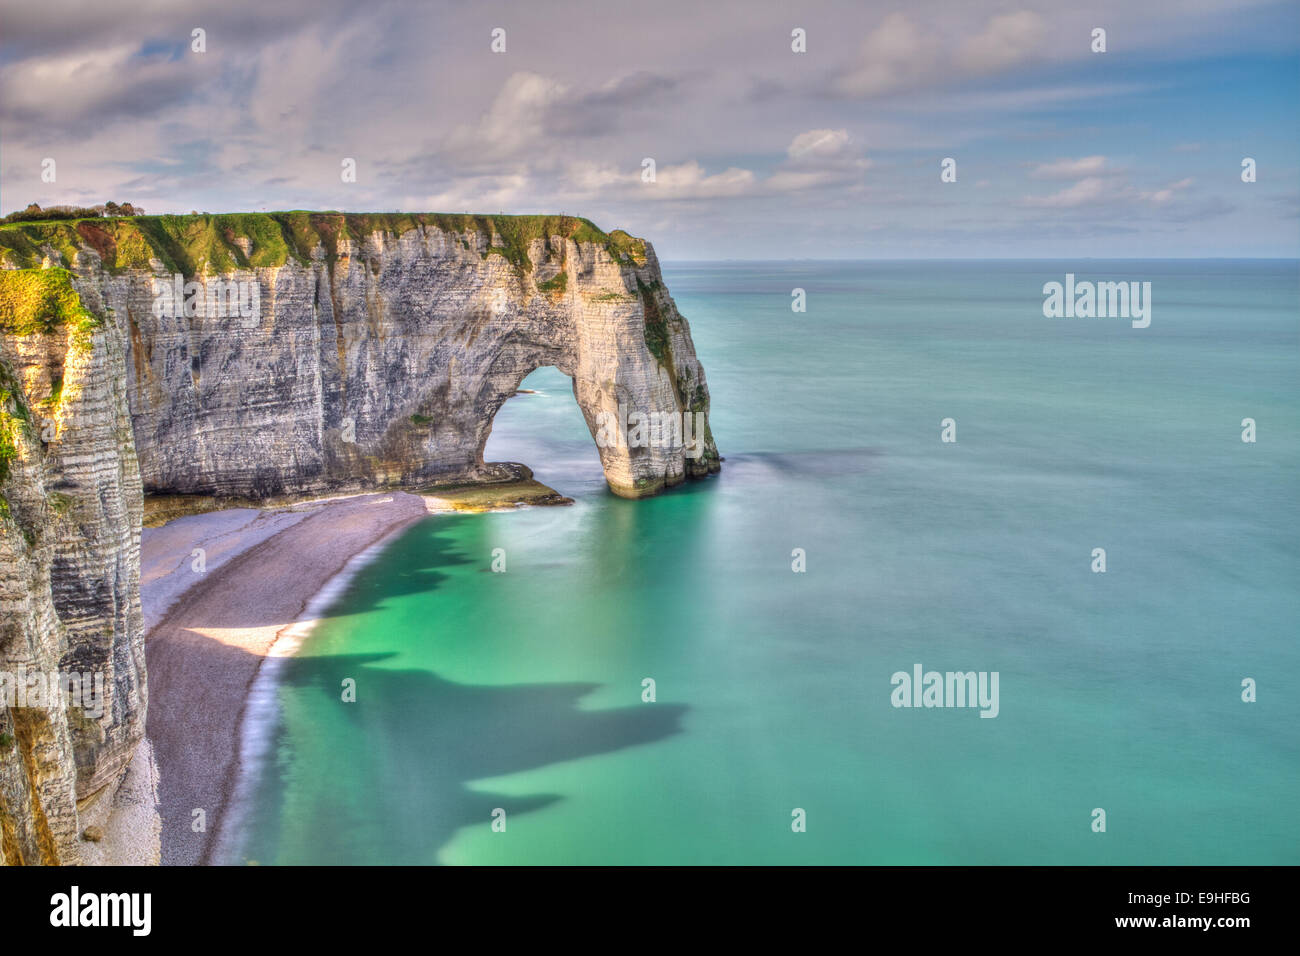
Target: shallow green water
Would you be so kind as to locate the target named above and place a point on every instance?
(522, 690)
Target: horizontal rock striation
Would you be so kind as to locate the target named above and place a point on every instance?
(259, 356)
(381, 347)
(70, 509)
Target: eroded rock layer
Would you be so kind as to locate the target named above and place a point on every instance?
(264, 355)
(70, 621)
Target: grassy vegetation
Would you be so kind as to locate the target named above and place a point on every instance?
(557, 283)
(14, 418)
(32, 302)
(656, 326)
(196, 244)
(51, 401)
(35, 301)
(8, 451)
(627, 249)
(418, 419)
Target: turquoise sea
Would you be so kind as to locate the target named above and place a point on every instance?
(1119, 690)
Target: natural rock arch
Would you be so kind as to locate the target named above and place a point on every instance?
(386, 366)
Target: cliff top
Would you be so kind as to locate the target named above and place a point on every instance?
(193, 244)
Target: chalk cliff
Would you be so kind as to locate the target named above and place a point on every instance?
(70, 510)
(382, 345)
(370, 350)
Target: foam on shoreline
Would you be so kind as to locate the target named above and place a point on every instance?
(261, 709)
(202, 778)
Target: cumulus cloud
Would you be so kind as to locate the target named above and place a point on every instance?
(818, 143)
(818, 158)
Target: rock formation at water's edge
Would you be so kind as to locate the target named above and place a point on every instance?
(370, 351)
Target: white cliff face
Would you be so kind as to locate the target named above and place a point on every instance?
(379, 359)
(38, 809)
(385, 364)
(69, 584)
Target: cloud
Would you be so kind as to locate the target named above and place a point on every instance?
(434, 120)
(814, 159)
(1166, 193)
(896, 54)
(818, 143)
(513, 124)
(1102, 192)
(1007, 40)
(1082, 193)
(535, 116)
(1070, 168)
(818, 158)
(71, 89)
(899, 54)
(689, 181)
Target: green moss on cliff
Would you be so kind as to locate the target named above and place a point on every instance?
(626, 249)
(201, 243)
(557, 283)
(35, 301)
(51, 401)
(14, 418)
(656, 326)
(8, 452)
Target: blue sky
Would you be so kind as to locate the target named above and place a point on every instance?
(760, 152)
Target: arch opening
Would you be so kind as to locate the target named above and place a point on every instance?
(542, 426)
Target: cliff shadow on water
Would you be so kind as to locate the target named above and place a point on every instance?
(383, 778)
(403, 756)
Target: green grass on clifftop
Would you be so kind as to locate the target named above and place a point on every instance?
(199, 243)
(36, 301)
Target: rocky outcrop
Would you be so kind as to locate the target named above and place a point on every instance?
(276, 355)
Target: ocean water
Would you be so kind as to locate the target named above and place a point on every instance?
(1119, 690)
